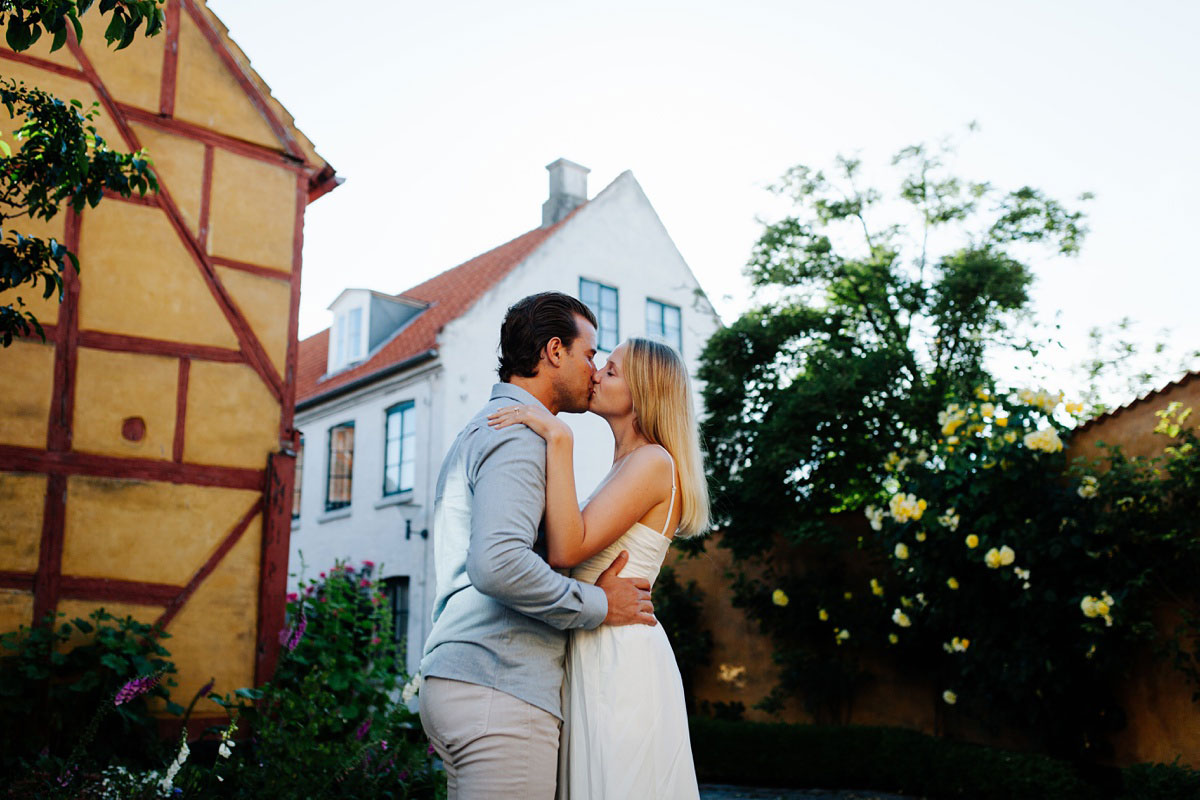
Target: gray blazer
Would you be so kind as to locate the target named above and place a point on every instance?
(500, 612)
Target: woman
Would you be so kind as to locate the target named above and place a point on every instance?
(625, 727)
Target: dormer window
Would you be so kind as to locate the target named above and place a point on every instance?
(348, 338)
(362, 321)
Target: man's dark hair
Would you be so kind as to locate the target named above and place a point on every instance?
(530, 323)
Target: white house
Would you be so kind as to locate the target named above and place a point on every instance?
(384, 391)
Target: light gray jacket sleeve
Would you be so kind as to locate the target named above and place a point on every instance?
(507, 472)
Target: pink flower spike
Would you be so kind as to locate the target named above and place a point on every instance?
(135, 688)
(376, 640)
(363, 728)
(369, 564)
(292, 597)
(364, 583)
(322, 574)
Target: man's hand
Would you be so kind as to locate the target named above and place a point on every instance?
(628, 598)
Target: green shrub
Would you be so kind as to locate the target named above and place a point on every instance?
(55, 700)
(879, 759)
(332, 722)
(1160, 782)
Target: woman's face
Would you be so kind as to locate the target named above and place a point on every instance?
(610, 393)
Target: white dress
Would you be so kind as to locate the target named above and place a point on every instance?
(625, 731)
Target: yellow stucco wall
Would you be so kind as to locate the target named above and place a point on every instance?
(179, 165)
(259, 298)
(146, 531)
(25, 402)
(140, 280)
(16, 609)
(209, 96)
(232, 418)
(112, 387)
(250, 211)
(22, 497)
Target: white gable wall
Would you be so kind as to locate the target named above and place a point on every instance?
(617, 239)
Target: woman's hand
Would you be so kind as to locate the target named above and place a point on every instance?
(533, 416)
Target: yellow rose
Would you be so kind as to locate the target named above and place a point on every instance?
(950, 697)
(901, 619)
(1002, 422)
(1074, 408)
(920, 537)
(876, 588)
(972, 541)
(823, 615)
(893, 638)
(848, 595)
(952, 582)
(779, 597)
(842, 636)
(992, 558)
(1007, 556)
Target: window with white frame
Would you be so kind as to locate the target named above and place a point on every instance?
(399, 449)
(395, 591)
(299, 478)
(340, 467)
(602, 300)
(348, 338)
(664, 323)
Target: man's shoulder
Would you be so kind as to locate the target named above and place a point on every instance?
(482, 438)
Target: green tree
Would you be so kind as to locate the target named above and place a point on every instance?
(59, 158)
(863, 329)
(874, 309)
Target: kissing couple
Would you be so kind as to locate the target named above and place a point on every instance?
(530, 673)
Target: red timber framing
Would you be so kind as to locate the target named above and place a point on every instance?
(59, 461)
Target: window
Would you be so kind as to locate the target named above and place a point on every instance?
(348, 347)
(602, 300)
(399, 449)
(663, 323)
(395, 590)
(299, 479)
(341, 466)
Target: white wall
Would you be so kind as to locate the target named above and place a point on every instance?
(372, 527)
(616, 239)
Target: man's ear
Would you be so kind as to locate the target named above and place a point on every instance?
(554, 352)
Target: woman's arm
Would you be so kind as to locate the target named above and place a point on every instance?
(573, 536)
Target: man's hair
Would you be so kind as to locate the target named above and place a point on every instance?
(532, 322)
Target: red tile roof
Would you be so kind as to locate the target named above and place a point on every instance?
(1175, 384)
(449, 296)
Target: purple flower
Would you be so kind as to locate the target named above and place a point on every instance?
(135, 688)
(363, 728)
(403, 775)
(384, 743)
(290, 637)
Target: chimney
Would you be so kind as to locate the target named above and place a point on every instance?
(568, 190)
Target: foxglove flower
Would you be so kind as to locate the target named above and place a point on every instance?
(135, 688)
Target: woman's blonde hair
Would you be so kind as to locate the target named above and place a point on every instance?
(662, 403)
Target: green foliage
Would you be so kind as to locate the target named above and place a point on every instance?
(678, 608)
(878, 759)
(332, 722)
(57, 691)
(58, 157)
(24, 21)
(1159, 782)
(863, 330)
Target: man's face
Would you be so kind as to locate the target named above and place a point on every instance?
(573, 382)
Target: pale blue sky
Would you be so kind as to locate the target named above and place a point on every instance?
(441, 117)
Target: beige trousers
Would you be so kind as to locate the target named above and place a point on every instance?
(493, 745)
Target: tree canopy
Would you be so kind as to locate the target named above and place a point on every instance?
(873, 308)
(58, 158)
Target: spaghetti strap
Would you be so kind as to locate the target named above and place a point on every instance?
(671, 507)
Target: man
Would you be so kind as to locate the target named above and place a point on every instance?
(493, 663)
